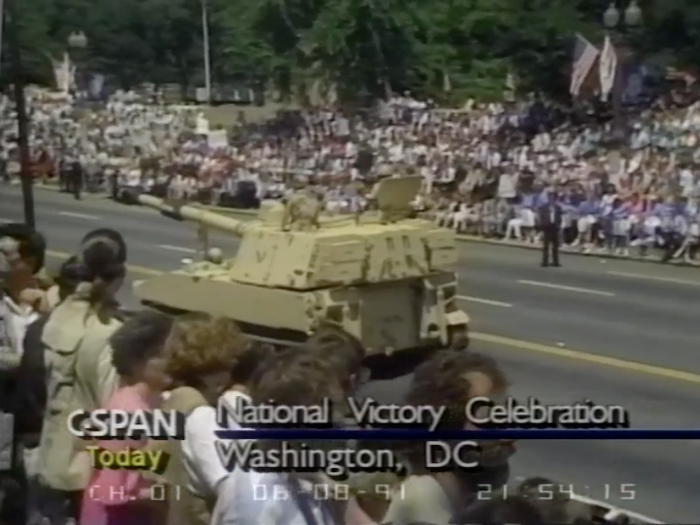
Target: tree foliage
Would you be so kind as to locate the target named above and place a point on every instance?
(444, 49)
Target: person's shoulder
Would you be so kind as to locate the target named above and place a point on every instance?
(420, 496)
(236, 496)
(185, 399)
(125, 398)
(416, 485)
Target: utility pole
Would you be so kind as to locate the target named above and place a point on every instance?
(21, 108)
(206, 51)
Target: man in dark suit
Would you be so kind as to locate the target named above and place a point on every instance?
(75, 179)
(550, 219)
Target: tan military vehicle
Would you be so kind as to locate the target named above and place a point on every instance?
(386, 278)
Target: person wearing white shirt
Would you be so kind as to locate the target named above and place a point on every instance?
(205, 469)
(248, 497)
(22, 251)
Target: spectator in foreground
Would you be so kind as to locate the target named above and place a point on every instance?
(120, 496)
(450, 379)
(29, 404)
(22, 251)
(293, 380)
(82, 375)
(209, 359)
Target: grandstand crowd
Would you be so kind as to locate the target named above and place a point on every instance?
(487, 167)
(65, 345)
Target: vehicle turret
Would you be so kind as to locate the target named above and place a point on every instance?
(384, 276)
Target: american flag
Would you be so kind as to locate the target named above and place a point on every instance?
(585, 56)
(607, 68)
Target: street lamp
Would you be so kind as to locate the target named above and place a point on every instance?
(78, 41)
(206, 51)
(632, 17)
(26, 176)
(618, 25)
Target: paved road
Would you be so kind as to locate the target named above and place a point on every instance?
(529, 318)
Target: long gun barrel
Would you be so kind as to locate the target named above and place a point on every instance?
(195, 214)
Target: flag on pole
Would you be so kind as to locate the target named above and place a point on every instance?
(64, 73)
(607, 68)
(510, 81)
(96, 85)
(510, 87)
(446, 82)
(585, 56)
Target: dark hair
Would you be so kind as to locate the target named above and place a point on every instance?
(103, 255)
(250, 361)
(139, 339)
(300, 379)
(500, 511)
(342, 351)
(552, 503)
(32, 244)
(442, 381)
(70, 274)
(103, 252)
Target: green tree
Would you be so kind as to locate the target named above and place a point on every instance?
(358, 48)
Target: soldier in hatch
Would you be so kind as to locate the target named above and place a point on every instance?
(303, 209)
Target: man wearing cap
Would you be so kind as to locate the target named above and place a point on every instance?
(302, 210)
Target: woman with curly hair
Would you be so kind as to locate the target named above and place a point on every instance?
(206, 358)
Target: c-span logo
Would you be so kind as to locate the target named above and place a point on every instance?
(124, 424)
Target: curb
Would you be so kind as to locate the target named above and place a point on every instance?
(474, 239)
(250, 214)
(522, 246)
(55, 188)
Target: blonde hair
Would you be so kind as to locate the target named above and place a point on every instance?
(200, 344)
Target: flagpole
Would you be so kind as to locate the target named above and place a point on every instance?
(10, 17)
(617, 25)
(2, 23)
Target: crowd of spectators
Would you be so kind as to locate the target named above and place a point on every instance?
(68, 348)
(486, 166)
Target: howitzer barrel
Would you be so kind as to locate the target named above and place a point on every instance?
(195, 214)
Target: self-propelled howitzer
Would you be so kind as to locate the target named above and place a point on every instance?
(384, 277)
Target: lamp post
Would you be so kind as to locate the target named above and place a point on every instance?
(618, 26)
(21, 109)
(206, 51)
(77, 41)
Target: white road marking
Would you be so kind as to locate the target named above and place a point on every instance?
(655, 278)
(177, 248)
(484, 301)
(79, 215)
(566, 288)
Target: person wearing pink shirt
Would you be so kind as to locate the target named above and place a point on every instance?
(120, 496)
